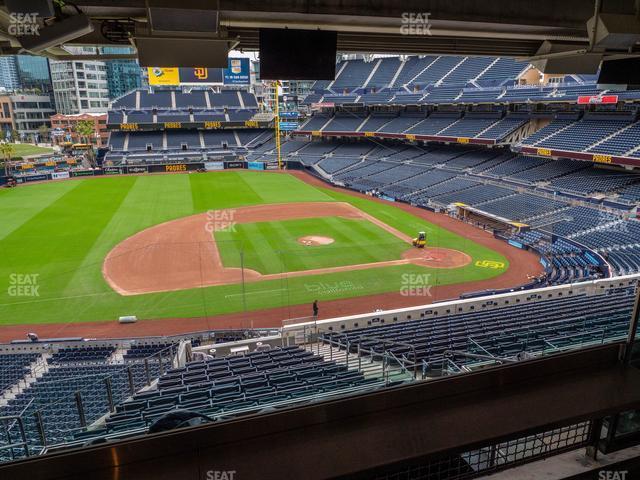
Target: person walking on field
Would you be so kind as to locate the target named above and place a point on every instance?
(315, 308)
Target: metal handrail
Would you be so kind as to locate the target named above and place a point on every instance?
(10, 444)
(371, 352)
(159, 356)
(403, 368)
(395, 342)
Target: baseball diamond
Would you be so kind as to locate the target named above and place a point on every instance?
(104, 256)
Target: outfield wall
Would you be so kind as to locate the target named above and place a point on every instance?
(183, 167)
(132, 169)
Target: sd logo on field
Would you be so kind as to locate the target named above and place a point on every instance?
(489, 264)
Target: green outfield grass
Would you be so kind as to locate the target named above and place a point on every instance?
(26, 149)
(56, 235)
(272, 247)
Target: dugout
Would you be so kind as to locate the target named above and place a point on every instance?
(488, 221)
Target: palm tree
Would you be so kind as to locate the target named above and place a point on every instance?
(86, 130)
(43, 130)
(7, 151)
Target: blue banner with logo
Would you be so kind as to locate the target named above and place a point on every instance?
(255, 165)
(200, 75)
(513, 243)
(238, 72)
(288, 126)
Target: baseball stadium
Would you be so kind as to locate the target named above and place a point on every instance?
(317, 241)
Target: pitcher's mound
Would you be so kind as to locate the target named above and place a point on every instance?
(314, 240)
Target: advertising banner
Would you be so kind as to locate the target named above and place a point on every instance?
(255, 165)
(163, 76)
(513, 243)
(211, 166)
(233, 164)
(200, 75)
(137, 169)
(82, 173)
(238, 72)
(59, 175)
(36, 178)
(112, 170)
(288, 126)
(597, 99)
(175, 167)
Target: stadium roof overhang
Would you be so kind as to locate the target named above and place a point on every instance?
(499, 27)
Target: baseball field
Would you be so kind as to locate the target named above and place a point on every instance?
(207, 245)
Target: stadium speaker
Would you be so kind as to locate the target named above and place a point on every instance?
(624, 72)
(297, 54)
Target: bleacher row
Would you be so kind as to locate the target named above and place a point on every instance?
(444, 79)
(182, 116)
(181, 145)
(594, 133)
(598, 133)
(221, 387)
(137, 100)
(193, 139)
(416, 71)
(487, 126)
(469, 94)
(61, 379)
(503, 332)
(185, 143)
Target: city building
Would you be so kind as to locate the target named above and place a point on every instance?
(33, 74)
(8, 73)
(26, 114)
(291, 93)
(63, 128)
(80, 86)
(25, 73)
(122, 75)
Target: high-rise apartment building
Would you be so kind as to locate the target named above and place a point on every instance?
(80, 86)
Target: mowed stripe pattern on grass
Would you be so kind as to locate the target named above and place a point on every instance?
(62, 231)
(272, 247)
